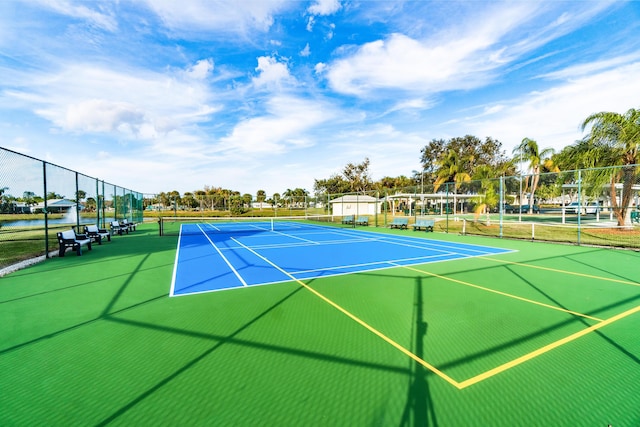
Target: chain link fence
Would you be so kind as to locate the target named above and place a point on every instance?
(589, 206)
(38, 199)
(597, 206)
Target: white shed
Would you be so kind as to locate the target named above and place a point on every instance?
(355, 204)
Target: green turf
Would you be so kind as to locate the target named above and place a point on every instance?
(95, 340)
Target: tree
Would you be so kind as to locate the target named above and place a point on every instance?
(451, 169)
(189, 200)
(51, 195)
(471, 151)
(430, 155)
(28, 197)
(357, 175)
(621, 133)
(485, 174)
(91, 205)
(5, 200)
(335, 184)
(529, 151)
(247, 199)
(175, 199)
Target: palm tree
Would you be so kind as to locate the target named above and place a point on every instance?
(450, 170)
(486, 175)
(621, 132)
(529, 151)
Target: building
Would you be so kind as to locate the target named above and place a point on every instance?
(355, 204)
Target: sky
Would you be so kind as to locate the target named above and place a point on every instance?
(248, 95)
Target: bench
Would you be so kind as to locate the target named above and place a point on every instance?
(69, 239)
(401, 223)
(426, 224)
(347, 219)
(116, 227)
(130, 225)
(97, 234)
(635, 216)
(362, 220)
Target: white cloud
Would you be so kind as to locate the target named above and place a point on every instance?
(467, 55)
(217, 15)
(324, 7)
(200, 70)
(590, 68)
(415, 104)
(271, 72)
(403, 63)
(97, 115)
(310, 23)
(281, 129)
(306, 51)
(132, 103)
(99, 16)
(553, 116)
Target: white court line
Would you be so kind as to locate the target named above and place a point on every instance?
(223, 257)
(303, 245)
(392, 262)
(265, 259)
(230, 228)
(295, 237)
(439, 245)
(175, 264)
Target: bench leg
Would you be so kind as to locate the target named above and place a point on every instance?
(62, 250)
(78, 248)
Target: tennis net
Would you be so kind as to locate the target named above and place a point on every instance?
(173, 226)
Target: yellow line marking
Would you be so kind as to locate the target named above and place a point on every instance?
(359, 321)
(624, 282)
(553, 307)
(383, 336)
(546, 348)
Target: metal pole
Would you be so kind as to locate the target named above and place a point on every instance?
(77, 205)
(579, 202)
(520, 201)
(46, 211)
(501, 203)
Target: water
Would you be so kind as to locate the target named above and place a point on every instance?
(67, 219)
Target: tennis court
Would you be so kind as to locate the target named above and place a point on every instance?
(500, 333)
(225, 255)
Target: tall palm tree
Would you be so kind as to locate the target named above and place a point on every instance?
(529, 151)
(621, 132)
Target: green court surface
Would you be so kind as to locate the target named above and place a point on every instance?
(546, 335)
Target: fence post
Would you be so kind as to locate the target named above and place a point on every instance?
(501, 204)
(77, 205)
(579, 203)
(46, 211)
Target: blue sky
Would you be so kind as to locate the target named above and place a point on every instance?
(162, 95)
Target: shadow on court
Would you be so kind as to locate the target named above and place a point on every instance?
(420, 407)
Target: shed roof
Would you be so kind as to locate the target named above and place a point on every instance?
(355, 198)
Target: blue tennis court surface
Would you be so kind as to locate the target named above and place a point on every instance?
(210, 258)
